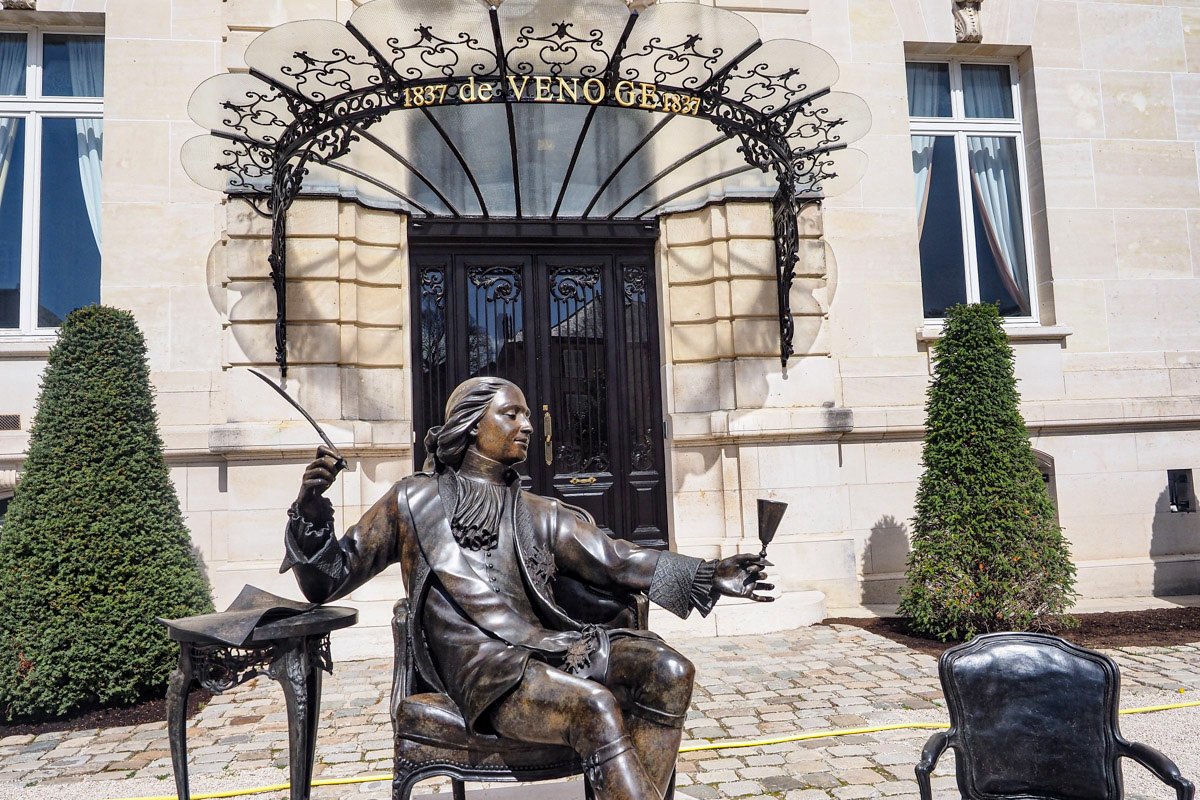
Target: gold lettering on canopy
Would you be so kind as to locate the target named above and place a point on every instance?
(544, 89)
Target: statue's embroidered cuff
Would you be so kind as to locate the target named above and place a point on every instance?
(703, 595)
(311, 544)
(671, 584)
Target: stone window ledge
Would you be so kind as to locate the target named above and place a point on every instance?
(1016, 333)
(26, 346)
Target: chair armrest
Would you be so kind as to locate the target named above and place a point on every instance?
(402, 666)
(929, 757)
(1162, 767)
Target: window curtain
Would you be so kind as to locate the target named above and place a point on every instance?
(994, 182)
(924, 89)
(993, 161)
(86, 59)
(12, 70)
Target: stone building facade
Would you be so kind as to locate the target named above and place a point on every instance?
(1107, 351)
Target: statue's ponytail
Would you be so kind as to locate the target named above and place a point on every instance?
(432, 464)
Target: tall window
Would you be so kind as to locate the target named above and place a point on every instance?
(51, 104)
(969, 169)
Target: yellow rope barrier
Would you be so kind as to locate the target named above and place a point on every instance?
(693, 748)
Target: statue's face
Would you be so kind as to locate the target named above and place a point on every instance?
(504, 430)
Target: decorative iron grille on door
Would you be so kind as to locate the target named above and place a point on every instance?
(576, 329)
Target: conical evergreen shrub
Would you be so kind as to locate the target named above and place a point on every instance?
(987, 554)
(94, 545)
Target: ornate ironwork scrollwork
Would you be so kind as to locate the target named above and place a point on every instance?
(787, 245)
(433, 286)
(641, 455)
(815, 125)
(635, 285)
(439, 55)
(255, 112)
(251, 167)
(572, 283)
(569, 458)
(329, 72)
(670, 60)
(766, 90)
(560, 49)
(219, 668)
(814, 168)
(338, 96)
(500, 284)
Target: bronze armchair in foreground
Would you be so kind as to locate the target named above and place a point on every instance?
(487, 567)
(1032, 715)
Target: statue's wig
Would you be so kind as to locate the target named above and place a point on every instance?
(447, 443)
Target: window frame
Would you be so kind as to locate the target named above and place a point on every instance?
(33, 108)
(960, 127)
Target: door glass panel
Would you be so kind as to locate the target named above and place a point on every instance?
(432, 355)
(638, 363)
(495, 322)
(578, 371)
(69, 261)
(12, 186)
(943, 277)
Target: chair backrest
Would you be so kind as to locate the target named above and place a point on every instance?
(1032, 715)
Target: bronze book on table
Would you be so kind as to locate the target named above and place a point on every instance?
(235, 625)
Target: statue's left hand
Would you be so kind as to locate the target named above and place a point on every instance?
(742, 576)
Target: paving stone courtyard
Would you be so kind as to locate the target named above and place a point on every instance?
(748, 688)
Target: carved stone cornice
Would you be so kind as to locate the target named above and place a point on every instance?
(968, 28)
(18, 5)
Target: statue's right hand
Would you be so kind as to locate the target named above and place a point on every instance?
(560, 642)
(318, 477)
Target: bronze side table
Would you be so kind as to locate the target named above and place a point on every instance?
(292, 651)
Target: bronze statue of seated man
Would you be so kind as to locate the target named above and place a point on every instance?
(480, 557)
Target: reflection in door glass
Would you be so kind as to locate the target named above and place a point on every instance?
(433, 342)
(495, 333)
(639, 365)
(579, 378)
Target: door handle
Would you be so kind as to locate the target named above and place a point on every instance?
(583, 481)
(548, 429)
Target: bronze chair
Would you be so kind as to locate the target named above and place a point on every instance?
(431, 737)
(1032, 715)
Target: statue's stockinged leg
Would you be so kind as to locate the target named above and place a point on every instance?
(551, 707)
(655, 683)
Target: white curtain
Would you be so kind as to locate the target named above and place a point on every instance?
(993, 161)
(86, 58)
(987, 92)
(922, 150)
(926, 85)
(12, 69)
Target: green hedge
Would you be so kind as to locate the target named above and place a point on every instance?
(94, 546)
(987, 552)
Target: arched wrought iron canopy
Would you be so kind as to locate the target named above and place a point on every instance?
(537, 109)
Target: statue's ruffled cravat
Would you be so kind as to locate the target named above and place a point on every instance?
(482, 486)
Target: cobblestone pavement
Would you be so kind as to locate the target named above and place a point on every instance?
(813, 679)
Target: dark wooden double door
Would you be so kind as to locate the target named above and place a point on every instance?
(575, 326)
